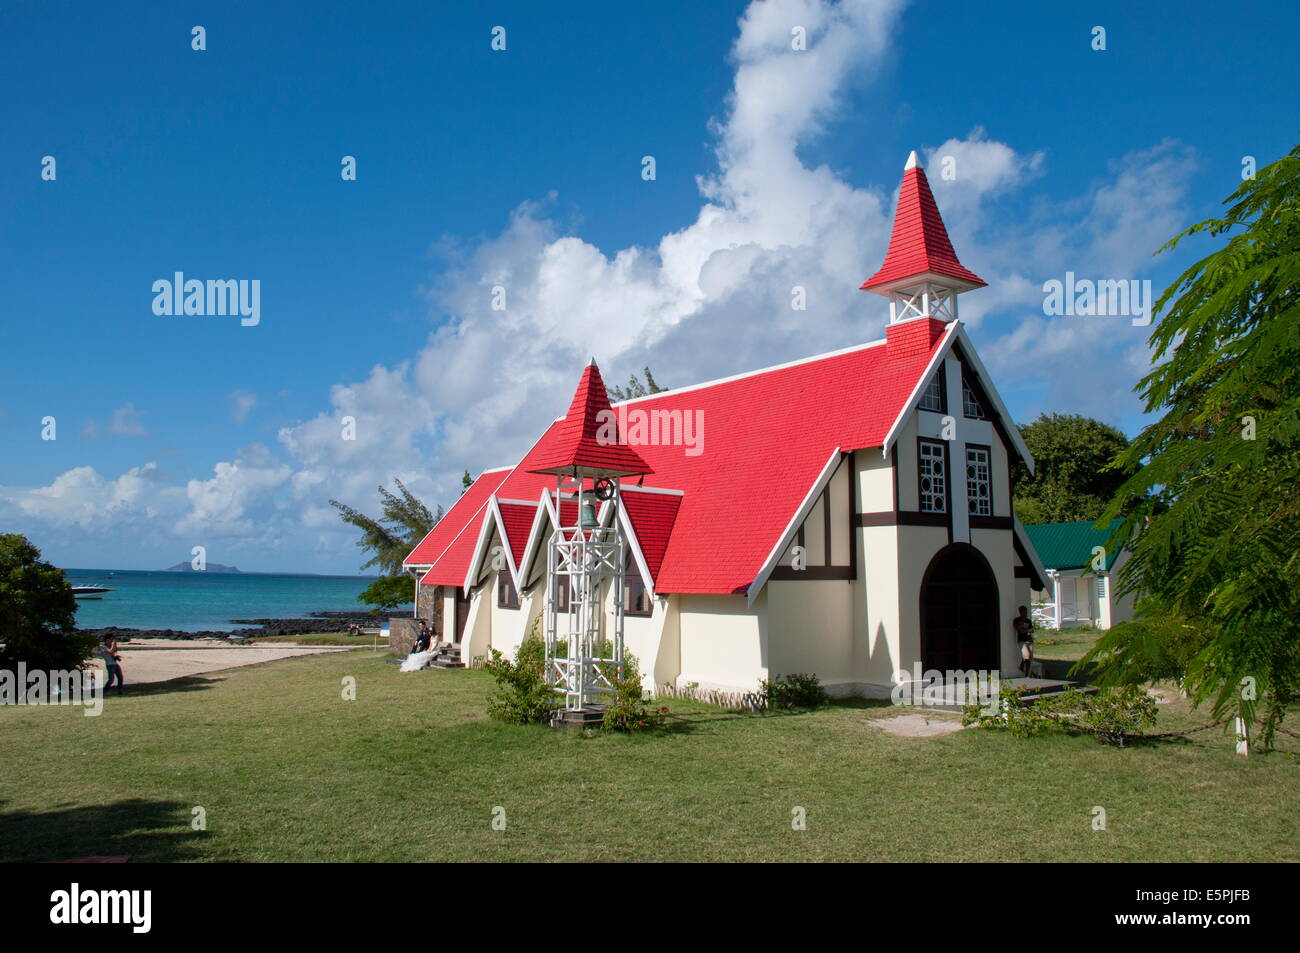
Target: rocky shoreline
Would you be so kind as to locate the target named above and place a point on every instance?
(317, 622)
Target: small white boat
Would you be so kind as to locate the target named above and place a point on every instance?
(90, 592)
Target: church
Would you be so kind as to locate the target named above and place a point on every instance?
(846, 514)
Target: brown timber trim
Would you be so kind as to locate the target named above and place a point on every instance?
(947, 457)
(853, 509)
(902, 518)
(876, 519)
(826, 516)
(1023, 573)
(991, 522)
(893, 465)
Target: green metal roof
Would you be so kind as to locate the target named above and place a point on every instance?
(1070, 545)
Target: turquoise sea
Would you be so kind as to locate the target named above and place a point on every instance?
(194, 601)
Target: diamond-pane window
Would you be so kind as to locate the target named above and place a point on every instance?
(979, 492)
(930, 463)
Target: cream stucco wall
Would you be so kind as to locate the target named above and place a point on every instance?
(448, 612)
(810, 624)
(878, 573)
(723, 642)
(478, 628)
(510, 626)
(998, 548)
(668, 665)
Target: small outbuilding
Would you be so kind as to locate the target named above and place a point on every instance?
(1083, 571)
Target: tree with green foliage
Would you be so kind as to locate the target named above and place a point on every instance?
(405, 521)
(1211, 511)
(37, 612)
(1070, 481)
(466, 481)
(635, 388)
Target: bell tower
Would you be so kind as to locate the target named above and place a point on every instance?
(585, 558)
(921, 275)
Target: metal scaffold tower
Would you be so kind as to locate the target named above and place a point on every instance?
(588, 457)
(581, 653)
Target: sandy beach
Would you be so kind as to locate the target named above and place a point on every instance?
(158, 660)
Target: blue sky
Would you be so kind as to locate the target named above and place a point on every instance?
(523, 168)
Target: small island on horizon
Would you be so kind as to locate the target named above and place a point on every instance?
(211, 567)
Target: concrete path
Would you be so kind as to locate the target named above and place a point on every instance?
(917, 726)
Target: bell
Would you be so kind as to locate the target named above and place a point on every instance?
(588, 520)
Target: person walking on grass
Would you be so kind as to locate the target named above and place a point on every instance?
(1024, 627)
(107, 651)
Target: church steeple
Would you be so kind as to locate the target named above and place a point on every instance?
(921, 275)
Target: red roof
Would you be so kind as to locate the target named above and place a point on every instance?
(517, 519)
(445, 532)
(580, 442)
(919, 243)
(766, 438)
(652, 516)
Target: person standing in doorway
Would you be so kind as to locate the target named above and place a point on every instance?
(1024, 627)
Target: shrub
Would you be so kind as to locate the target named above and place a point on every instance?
(630, 710)
(1112, 715)
(37, 612)
(786, 692)
(522, 696)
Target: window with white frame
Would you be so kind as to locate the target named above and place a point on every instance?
(636, 597)
(970, 404)
(932, 396)
(979, 493)
(934, 477)
(507, 594)
(563, 588)
(1101, 587)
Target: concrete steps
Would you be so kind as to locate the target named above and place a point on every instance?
(946, 699)
(447, 657)
(1050, 691)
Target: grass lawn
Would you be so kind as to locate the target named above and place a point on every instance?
(320, 638)
(412, 770)
(1065, 644)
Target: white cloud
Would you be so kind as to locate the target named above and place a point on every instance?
(223, 505)
(963, 172)
(241, 403)
(82, 498)
(125, 422)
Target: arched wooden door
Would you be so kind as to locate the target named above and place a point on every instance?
(959, 611)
